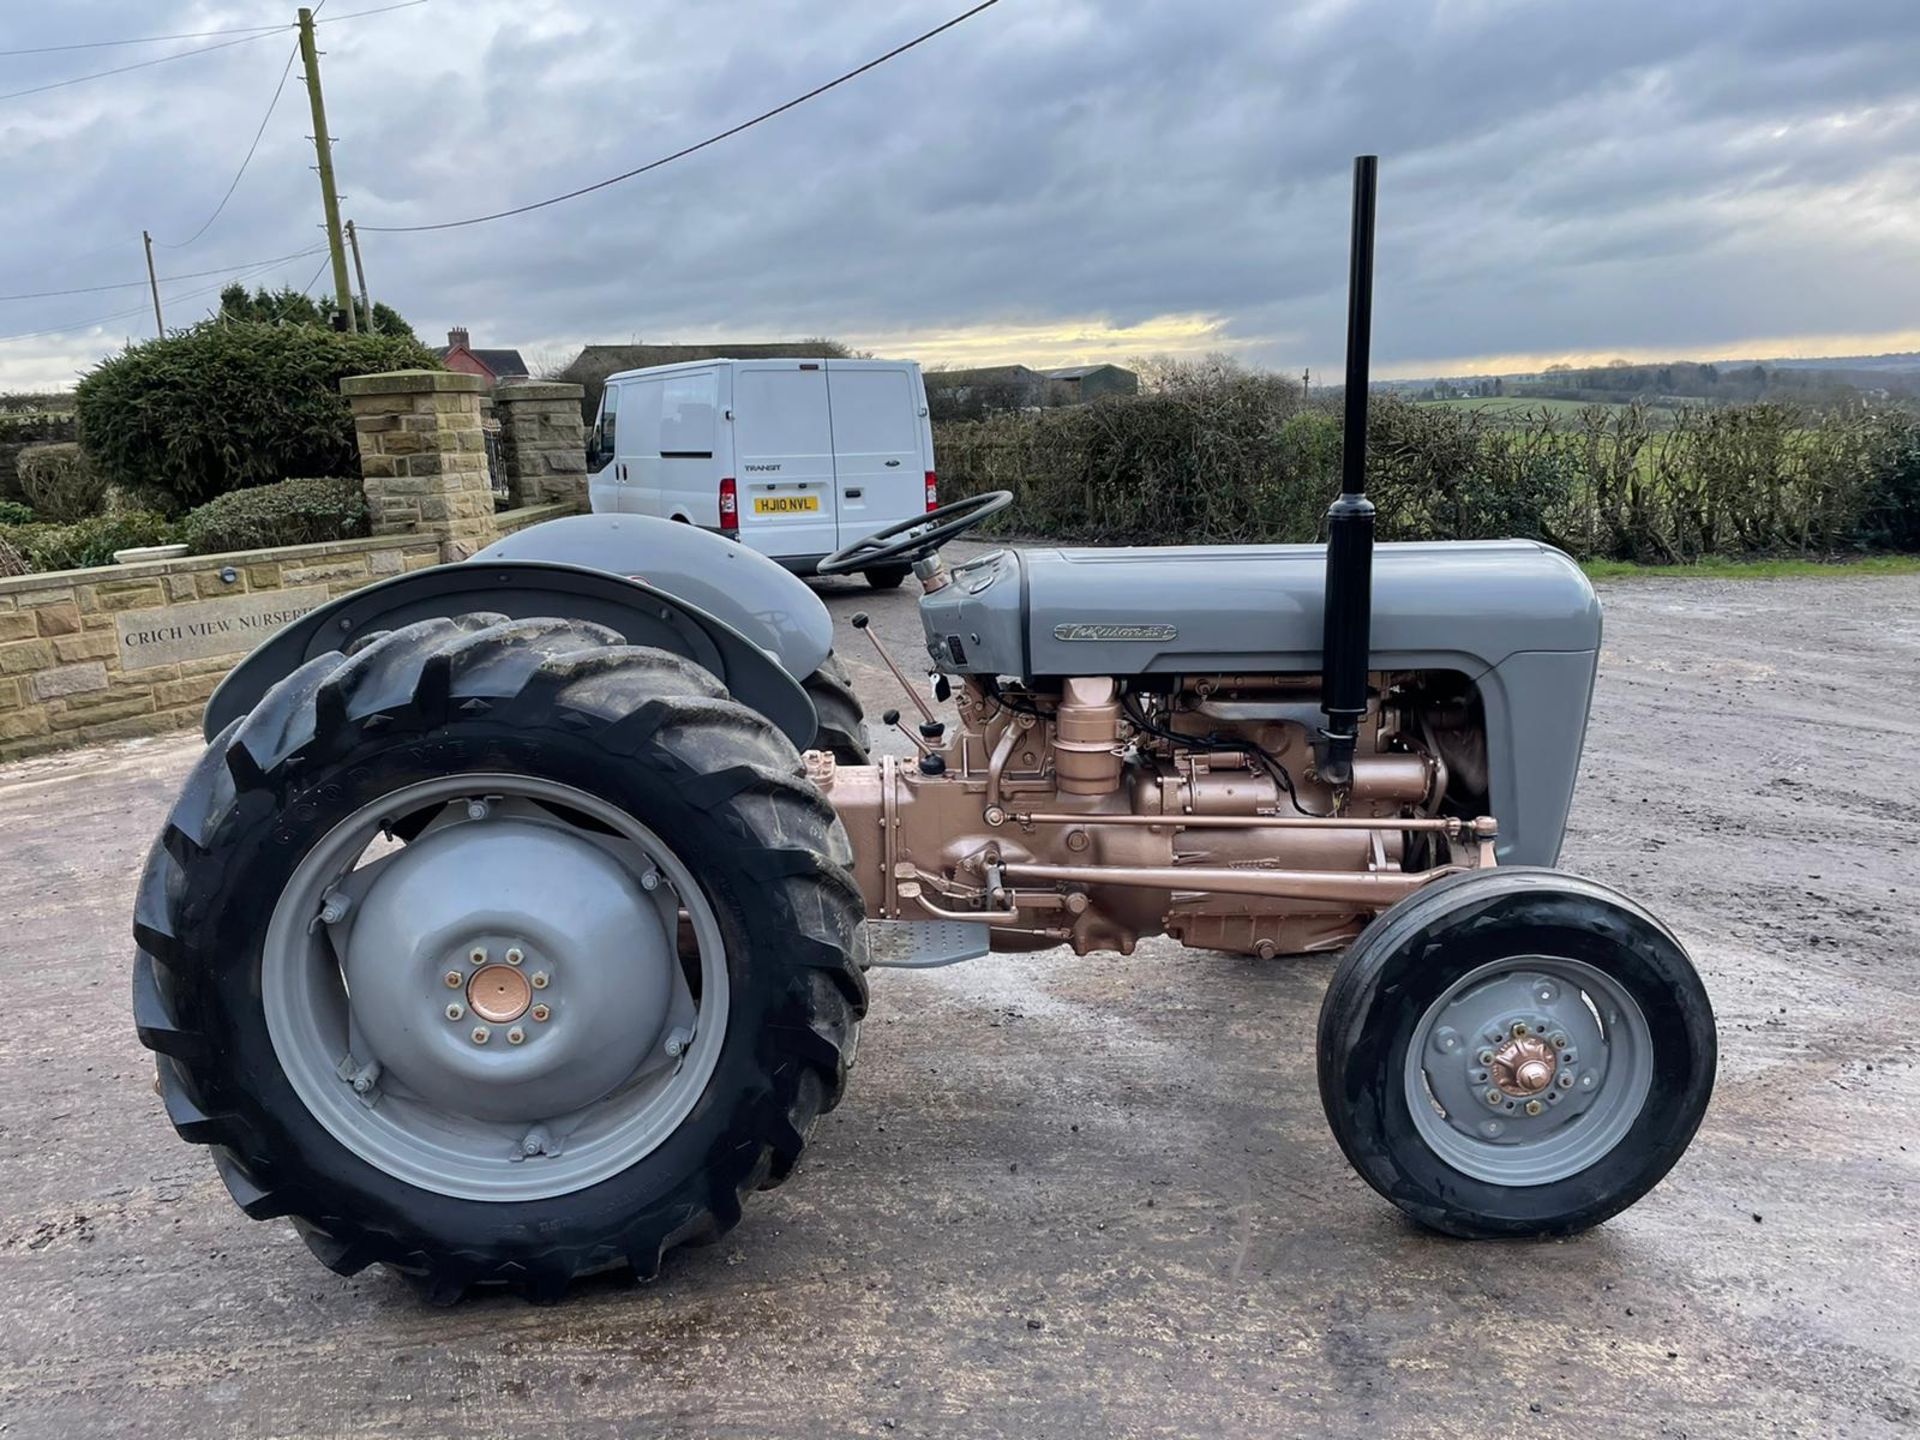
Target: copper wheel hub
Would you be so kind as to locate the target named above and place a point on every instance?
(499, 993)
(1523, 1066)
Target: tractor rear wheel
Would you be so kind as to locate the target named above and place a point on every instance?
(500, 952)
(842, 730)
(1515, 1053)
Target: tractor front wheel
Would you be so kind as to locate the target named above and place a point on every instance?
(1515, 1053)
(500, 952)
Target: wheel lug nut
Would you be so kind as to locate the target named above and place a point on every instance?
(515, 956)
(1493, 1097)
(1566, 1082)
(540, 1012)
(455, 979)
(539, 979)
(481, 1034)
(1559, 1040)
(456, 1010)
(478, 955)
(1519, 1028)
(516, 1035)
(1534, 1107)
(1485, 1057)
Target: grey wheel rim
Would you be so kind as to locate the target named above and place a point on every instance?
(498, 1009)
(1528, 1070)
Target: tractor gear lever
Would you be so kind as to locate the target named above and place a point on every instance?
(860, 622)
(892, 717)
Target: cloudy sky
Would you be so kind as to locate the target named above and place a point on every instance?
(1052, 181)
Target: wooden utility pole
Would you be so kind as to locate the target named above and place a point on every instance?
(323, 149)
(360, 274)
(159, 325)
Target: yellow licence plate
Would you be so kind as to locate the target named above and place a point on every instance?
(786, 504)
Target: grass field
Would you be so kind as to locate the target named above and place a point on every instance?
(1519, 407)
(1756, 569)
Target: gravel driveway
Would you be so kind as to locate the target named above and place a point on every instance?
(1092, 1197)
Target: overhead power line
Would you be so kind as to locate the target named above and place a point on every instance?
(361, 14)
(245, 272)
(164, 279)
(139, 65)
(245, 160)
(244, 39)
(142, 40)
(325, 261)
(681, 154)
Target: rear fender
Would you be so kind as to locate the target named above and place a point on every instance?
(522, 590)
(723, 578)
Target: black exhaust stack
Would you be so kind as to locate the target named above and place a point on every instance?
(1346, 640)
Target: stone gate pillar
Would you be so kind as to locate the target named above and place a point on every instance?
(423, 458)
(543, 447)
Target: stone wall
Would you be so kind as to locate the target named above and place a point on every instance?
(128, 650)
(507, 522)
(423, 456)
(543, 446)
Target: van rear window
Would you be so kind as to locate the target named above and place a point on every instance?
(687, 410)
(780, 413)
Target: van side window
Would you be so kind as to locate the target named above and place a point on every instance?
(604, 427)
(687, 406)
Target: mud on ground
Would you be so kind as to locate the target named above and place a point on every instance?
(1090, 1197)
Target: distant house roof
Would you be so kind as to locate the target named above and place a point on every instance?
(986, 375)
(458, 354)
(595, 362)
(1080, 372)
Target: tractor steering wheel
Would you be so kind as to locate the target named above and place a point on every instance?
(915, 539)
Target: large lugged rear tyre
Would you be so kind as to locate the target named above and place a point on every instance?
(591, 977)
(1515, 1053)
(842, 730)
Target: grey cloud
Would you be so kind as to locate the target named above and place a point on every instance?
(1557, 177)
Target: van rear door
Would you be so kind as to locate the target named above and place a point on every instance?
(880, 472)
(783, 449)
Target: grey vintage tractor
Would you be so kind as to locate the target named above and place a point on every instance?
(516, 923)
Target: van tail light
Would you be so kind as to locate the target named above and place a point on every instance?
(933, 491)
(729, 506)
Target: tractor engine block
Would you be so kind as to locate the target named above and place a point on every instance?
(1093, 814)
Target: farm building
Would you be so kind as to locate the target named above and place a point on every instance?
(1076, 384)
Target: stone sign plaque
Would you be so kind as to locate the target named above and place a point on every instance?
(203, 629)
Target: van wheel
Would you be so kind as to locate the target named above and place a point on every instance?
(886, 577)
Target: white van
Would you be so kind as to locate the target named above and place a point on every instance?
(796, 458)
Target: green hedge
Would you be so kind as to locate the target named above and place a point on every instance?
(87, 542)
(228, 405)
(1240, 461)
(60, 483)
(12, 512)
(294, 512)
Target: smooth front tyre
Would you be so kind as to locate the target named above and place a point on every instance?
(1515, 1053)
(500, 952)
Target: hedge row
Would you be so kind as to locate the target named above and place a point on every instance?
(225, 406)
(1247, 459)
(84, 543)
(294, 512)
